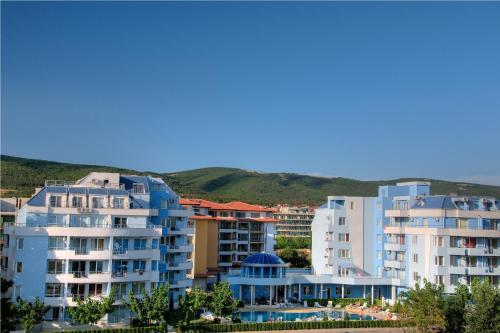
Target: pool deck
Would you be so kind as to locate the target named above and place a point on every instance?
(378, 315)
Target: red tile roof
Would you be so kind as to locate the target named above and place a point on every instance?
(243, 206)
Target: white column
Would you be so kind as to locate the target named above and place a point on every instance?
(286, 296)
(373, 291)
(300, 292)
(364, 291)
(270, 295)
(316, 291)
(393, 294)
(241, 292)
(342, 291)
(320, 291)
(252, 295)
(276, 289)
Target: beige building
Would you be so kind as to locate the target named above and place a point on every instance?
(225, 234)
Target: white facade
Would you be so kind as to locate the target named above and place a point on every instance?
(78, 240)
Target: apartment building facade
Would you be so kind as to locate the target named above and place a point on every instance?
(378, 247)
(293, 221)
(81, 239)
(225, 235)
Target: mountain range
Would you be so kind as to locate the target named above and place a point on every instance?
(20, 176)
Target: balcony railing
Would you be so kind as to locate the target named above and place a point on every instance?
(81, 251)
(79, 274)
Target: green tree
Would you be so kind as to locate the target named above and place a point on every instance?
(191, 302)
(9, 318)
(454, 310)
(483, 315)
(30, 314)
(295, 259)
(152, 307)
(90, 311)
(424, 307)
(221, 301)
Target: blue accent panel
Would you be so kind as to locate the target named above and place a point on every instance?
(38, 200)
(263, 258)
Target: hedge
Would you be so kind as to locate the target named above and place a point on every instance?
(335, 301)
(150, 329)
(289, 325)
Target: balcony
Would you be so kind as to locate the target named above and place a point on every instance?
(181, 248)
(81, 251)
(79, 274)
(180, 266)
(395, 264)
(394, 247)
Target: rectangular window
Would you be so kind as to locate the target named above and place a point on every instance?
(54, 289)
(120, 222)
(55, 201)
(77, 202)
(95, 267)
(97, 244)
(17, 291)
(55, 266)
(439, 279)
(138, 188)
(156, 187)
(343, 237)
(95, 289)
(20, 243)
(439, 261)
(57, 243)
(154, 265)
(415, 257)
(139, 265)
(462, 223)
(98, 202)
(342, 271)
(415, 276)
(56, 220)
(255, 215)
(352, 205)
(138, 287)
(118, 202)
(344, 254)
(341, 220)
(438, 241)
(139, 244)
(19, 267)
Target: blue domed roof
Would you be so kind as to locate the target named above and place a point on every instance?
(263, 259)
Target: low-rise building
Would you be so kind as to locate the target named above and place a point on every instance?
(225, 234)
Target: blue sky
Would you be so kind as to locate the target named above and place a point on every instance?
(360, 90)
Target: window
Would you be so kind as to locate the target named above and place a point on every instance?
(55, 201)
(154, 243)
(156, 187)
(438, 260)
(97, 244)
(343, 237)
(139, 265)
(56, 220)
(352, 205)
(462, 223)
(95, 267)
(342, 271)
(341, 220)
(120, 222)
(138, 188)
(55, 266)
(415, 257)
(164, 204)
(118, 202)
(20, 243)
(120, 290)
(439, 279)
(415, 276)
(154, 265)
(139, 244)
(344, 254)
(57, 243)
(98, 202)
(19, 267)
(54, 289)
(307, 290)
(255, 215)
(77, 202)
(95, 289)
(138, 287)
(17, 291)
(438, 241)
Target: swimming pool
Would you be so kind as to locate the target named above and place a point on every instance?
(263, 316)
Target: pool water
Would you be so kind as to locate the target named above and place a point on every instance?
(263, 316)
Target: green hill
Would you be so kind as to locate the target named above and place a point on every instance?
(20, 176)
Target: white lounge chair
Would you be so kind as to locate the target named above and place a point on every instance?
(305, 304)
(316, 305)
(329, 304)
